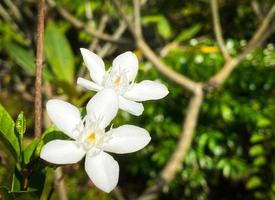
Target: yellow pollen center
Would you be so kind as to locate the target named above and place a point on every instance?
(92, 137)
(117, 81)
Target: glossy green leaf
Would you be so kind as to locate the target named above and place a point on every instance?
(7, 133)
(59, 53)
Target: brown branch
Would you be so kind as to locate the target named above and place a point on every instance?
(218, 29)
(137, 18)
(109, 46)
(102, 25)
(39, 66)
(80, 25)
(126, 18)
(257, 39)
(184, 144)
(164, 69)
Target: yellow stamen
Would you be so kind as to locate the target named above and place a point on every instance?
(92, 137)
(117, 81)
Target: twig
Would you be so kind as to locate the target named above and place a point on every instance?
(218, 29)
(116, 35)
(39, 66)
(80, 25)
(257, 39)
(14, 10)
(257, 10)
(137, 18)
(101, 27)
(164, 69)
(153, 58)
(184, 144)
(125, 17)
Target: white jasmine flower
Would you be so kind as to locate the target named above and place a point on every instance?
(90, 138)
(120, 77)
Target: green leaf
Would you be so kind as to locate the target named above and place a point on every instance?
(226, 113)
(7, 133)
(29, 151)
(256, 150)
(21, 125)
(16, 184)
(164, 27)
(162, 23)
(22, 57)
(59, 53)
(188, 33)
(253, 182)
(25, 59)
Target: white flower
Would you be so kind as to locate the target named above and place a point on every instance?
(120, 77)
(90, 139)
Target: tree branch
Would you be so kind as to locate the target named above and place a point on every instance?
(257, 39)
(218, 29)
(80, 25)
(174, 164)
(102, 25)
(39, 66)
(137, 18)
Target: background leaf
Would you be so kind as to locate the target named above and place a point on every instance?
(59, 53)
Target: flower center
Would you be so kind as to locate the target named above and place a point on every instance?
(91, 137)
(116, 80)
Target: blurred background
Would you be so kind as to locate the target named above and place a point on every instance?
(232, 153)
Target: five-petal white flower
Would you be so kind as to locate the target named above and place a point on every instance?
(90, 139)
(120, 77)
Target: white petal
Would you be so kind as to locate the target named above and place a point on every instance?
(62, 152)
(64, 115)
(127, 139)
(126, 62)
(146, 90)
(131, 107)
(103, 107)
(103, 170)
(88, 84)
(95, 65)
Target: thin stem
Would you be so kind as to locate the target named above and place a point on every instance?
(138, 28)
(80, 25)
(39, 66)
(218, 29)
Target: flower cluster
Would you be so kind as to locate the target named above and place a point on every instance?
(115, 89)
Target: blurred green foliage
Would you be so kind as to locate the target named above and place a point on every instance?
(232, 156)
